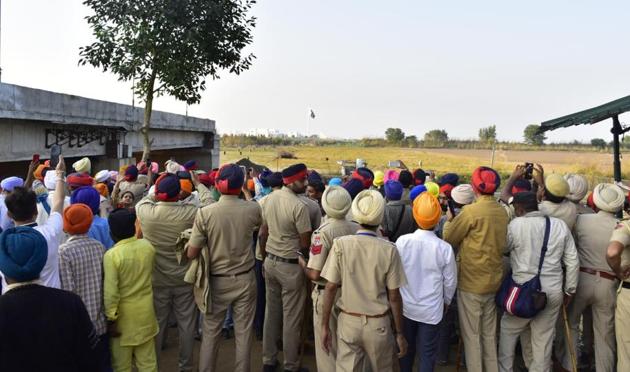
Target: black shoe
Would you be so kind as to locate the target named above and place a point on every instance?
(268, 368)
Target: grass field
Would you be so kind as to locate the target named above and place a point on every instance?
(597, 166)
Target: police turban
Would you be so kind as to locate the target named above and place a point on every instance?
(230, 179)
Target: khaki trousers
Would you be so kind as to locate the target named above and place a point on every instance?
(123, 356)
(542, 328)
(325, 362)
(599, 293)
(364, 341)
(622, 325)
(180, 299)
(478, 323)
(286, 297)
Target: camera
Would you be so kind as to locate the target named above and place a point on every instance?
(529, 171)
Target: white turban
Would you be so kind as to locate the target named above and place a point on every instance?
(368, 208)
(172, 166)
(463, 194)
(50, 180)
(578, 187)
(608, 197)
(82, 166)
(336, 202)
(102, 176)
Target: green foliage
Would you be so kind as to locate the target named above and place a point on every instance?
(394, 136)
(532, 137)
(598, 142)
(410, 141)
(436, 137)
(488, 134)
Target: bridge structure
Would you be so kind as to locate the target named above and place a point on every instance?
(32, 120)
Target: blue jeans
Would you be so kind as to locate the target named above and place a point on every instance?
(422, 339)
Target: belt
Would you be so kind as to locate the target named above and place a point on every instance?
(231, 275)
(365, 315)
(601, 274)
(625, 285)
(281, 259)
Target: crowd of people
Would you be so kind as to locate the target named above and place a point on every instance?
(382, 270)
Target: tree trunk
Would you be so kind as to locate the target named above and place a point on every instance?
(146, 124)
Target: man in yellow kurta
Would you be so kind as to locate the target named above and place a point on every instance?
(128, 293)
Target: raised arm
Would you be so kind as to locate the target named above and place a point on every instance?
(60, 187)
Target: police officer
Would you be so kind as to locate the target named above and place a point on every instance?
(618, 257)
(371, 273)
(285, 233)
(228, 227)
(336, 202)
(597, 284)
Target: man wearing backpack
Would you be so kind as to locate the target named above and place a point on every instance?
(525, 241)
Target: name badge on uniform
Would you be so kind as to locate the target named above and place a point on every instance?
(316, 247)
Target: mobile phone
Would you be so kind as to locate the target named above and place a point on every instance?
(393, 164)
(529, 171)
(55, 151)
(35, 158)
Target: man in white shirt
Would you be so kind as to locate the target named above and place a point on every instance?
(22, 209)
(524, 244)
(429, 265)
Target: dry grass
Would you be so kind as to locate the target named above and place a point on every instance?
(596, 166)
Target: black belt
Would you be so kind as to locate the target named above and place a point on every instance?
(231, 275)
(281, 259)
(625, 285)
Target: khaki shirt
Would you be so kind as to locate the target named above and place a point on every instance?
(367, 267)
(162, 224)
(480, 232)
(314, 212)
(322, 242)
(286, 217)
(592, 235)
(621, 234)
(227, 228)
(566, 211)
(138, 188)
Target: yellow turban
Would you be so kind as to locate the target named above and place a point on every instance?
(427, 211)
(433, 188)
(82, 166)
(368, 208)
(557, 185)
(379, 179)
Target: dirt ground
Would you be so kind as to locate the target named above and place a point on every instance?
(168, 362)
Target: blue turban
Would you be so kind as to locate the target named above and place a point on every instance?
(393, 190)
(87, 195)
(262, 177)
(230, 179)
(9, 183)
(275, 179)
(335, 182)
(354, 187)
(449, 179)
(313, 176)
(23, 253)
(416, 191)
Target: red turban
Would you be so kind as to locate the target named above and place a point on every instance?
(485, 180)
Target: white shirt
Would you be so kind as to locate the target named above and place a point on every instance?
(42, 216)
(52, 231)
(5, 221)
(524, 243)
(429, 265)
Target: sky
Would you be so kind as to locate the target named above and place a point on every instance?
(364, 66)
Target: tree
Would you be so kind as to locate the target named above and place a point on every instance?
(598, 142)
(488, 134)
(168, 47)
(436, 136)
(394, 135)
(411, 141)
(532, 137)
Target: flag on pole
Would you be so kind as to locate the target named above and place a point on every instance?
(312, 113)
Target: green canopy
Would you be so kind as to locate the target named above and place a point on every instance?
(590, 116)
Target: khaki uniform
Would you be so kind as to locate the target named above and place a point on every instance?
(162, 224)
(621, 234)
(595, 289)
(226, 229)
(321, 243)
(366, 266)
(286, 217)
(314, 211)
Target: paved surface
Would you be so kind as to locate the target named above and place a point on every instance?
(226, 356)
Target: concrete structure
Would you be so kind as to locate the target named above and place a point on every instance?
(32, 120)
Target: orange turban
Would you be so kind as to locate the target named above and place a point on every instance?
(77, 219)
(427, 211)
(186, 185)
(38, 172)
(102, 189)
(250, 185)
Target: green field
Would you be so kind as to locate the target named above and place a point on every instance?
(597, 166)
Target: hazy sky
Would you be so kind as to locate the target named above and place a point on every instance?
(367, 65)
